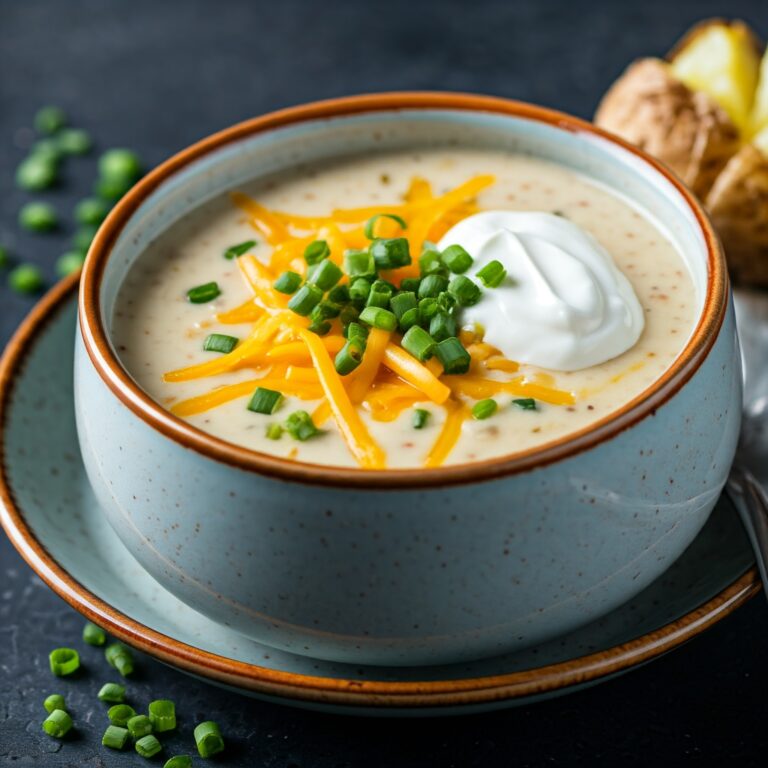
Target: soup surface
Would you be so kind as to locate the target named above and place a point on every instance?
(157, 330)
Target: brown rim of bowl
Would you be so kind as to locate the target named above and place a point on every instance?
(645, 404)
(309, 688)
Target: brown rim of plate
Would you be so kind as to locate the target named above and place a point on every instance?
(645, 404)
(310, 688)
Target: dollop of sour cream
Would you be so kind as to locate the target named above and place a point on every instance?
(564, 304)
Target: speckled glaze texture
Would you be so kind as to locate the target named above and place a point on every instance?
(409, 575)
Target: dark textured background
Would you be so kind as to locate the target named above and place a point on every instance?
(158, 75)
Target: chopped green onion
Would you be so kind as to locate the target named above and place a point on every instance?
(38, 217)
(442, 326)
(119, 165)
(339, 294)
(359, 289)
(139, 726)
(316, 251)
(428, 308)
(492, 274)
(326, 275)
(69, 262)
(26, 278)
(120, 714)
(112, 189)
(390, 252)
(356, 331)
(410, 284)
(82, 239)
(179, 761)
(430, 263)
(359, 264)
(48, 149)
(239, 250)
(380, 294)
(409, 319)
(202, 294)
(299, 425)
(420, 418)
(74, 141)
(447, 301)
(94, 635)
(115, 737)
(50, 119)
(36, 173)
(320, 327)
(148, 746)
(305, 299)
(219, 342)
(454, 358)
(466, 291)
(265, 401)
(456, 259)
(208, 739)
(368, 229)
(349, 315)
(325, 310)
(349, 356)
(64, 661)
(91, 210)
(419, 343)
(114, 693)
(288, 282)
(274, 432)
(379, 318)
(57, 724)
(54, 701)
(526, 403)
(120, 657)
(484, 409)
(402, 302)
(162, 715)
(432, 286)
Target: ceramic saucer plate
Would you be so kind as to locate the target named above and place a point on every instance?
(54, 521)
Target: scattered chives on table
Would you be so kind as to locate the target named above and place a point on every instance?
(179, 761)
(120, 714)
(208, 739)
(94, 635)
(57, 724)
(115, 737)
(120, 657)
(64, 661)
(54, 701)
(162, 715)
(114, 693)
(139, 725)
(148, 746)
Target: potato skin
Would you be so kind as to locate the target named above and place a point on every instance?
(738, 205)
(684, 129)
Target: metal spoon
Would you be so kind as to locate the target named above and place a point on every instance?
(749, 473)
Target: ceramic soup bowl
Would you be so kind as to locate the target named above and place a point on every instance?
(407, 567)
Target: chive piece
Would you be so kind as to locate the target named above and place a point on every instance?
(202, 294)
(219, 342)
(380, 294)
(431, 264)
(50, 119)
(466, 291)
(139, 726)
(442, 326)
(359, 264)
(91, 210)
(112, 189)
(119, 165)
(484, 409)
(410, 284)
(357, 331)
(53, 702)
(4, 258)
(447, 302)
(299, 425)
(162, 715)
(316, 251)
(38, 217)
(402, 302)
(64, 661)
(349, 315)
(274, 432)
(74, 141)
(305, 300)
(456, 259)
(238, 250)
(265, 401)
(339, 294)
(114, 693)
(48, 149)
(359, 289)
(69, 262)
(432, 286)
(115, 737)
(418, 343)
(120, 714)
(454, 358)
(420, 418)
(320, 327)
(94, 635)
(179, 761)
(390, 253)
(325, 310)
(208, 739)
(148, 746)
(326, 275)
(82, 239)
(492, 274)
(36, 173)
(428, 308)
(526, 403)
(57, 724)
(409, 319)
(288, 282)
(379, 318)
(120, 657)
(368, 229)
(349, 357)
(26, 278)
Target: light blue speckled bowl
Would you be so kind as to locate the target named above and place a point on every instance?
(418, 566)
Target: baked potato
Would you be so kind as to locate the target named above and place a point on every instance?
(703, 111)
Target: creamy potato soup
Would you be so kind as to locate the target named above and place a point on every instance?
(502, 303)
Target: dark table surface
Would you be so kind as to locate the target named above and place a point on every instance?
(158, 75)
